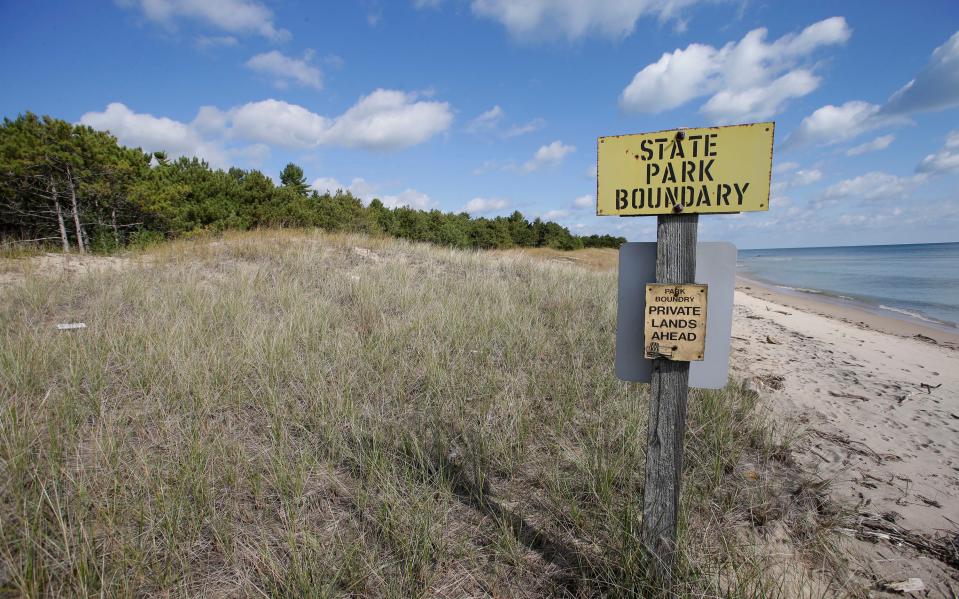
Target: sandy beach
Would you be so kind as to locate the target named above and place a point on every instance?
(877, 398)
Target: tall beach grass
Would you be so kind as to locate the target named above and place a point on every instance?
(294, 414)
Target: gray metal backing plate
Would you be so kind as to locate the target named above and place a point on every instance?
(716, 267)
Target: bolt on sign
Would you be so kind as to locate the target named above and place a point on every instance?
(699, 171)
(675, 323)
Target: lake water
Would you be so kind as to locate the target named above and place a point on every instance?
(919, 281)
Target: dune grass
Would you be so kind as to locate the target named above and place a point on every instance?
(290, 414)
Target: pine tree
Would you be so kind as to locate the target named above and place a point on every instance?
(292, 177)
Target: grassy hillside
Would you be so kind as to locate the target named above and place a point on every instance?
(305, 415)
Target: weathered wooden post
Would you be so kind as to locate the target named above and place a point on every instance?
(676, 175)
(675, 263)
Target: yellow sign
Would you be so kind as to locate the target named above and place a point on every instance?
(711, 170)
(675, 322)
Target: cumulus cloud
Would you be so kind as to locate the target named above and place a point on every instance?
(367, 192)
(583, 202)
(748, 79)
(548, 155)
(759, 102)
(555, 214)
(935, 87)
(410, 198)
(833, 124)
(945, 160)
(154, 134)
(285, 69)
(485, 205)
(234, 16)
(671, 81)
(387, 120)
(384, 120)
(328, 185)
(526, 19)
(880, 143)
(277, 123)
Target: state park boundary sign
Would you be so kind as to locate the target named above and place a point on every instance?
(706, 170)
(676, 175)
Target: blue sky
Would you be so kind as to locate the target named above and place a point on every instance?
(495, 105)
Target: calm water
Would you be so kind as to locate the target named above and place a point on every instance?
(919, 281)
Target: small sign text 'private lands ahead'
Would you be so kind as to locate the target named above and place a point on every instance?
(675, 322)
(716, 169)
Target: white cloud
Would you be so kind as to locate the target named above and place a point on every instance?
(277, 123)
(880, 143)
(485, 205)
(486, 121)
(487, 166)
(222, 41)
(833, 124)
(368, 191)
(410, 198)
(549, 155)
(748, 79)
(210, 120)
(784, 167)
(154, 133)
(387, 120)
(572, 19)
(671, 81)
(583, 202)
(945, 160)
(235, 16)
(384, 120)
(362, 188)
(530, 127)
(555, 214)
(254, 155)
(491, 121)
(787, 175)
(806, 177)
(875, 185)
(285, 69)
(328, 185)
(359, 187)
(935, 87)
(760, 102)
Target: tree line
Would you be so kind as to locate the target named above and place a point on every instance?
(79, 188)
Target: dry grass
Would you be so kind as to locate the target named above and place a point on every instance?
(598, 259)
(290, 414)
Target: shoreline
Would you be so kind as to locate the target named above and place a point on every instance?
(852, 312)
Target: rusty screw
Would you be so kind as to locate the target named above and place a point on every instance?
(680, 135)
